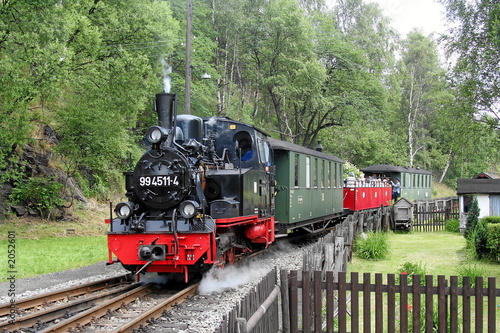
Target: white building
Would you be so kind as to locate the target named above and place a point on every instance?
(487, 191)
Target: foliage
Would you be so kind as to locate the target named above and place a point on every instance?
(472, 218)
(472, 271)
(452, 225)
(475, 41)
(348, 168)
(493, 240)
(411, 268)
(480, 239)
(302, 71)
(373, 245)
(491, 219)
(41, 194)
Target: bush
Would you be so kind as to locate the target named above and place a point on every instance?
(410, 269)
(41, 194)
(372, 245)
(491, 219)
(479, 236)
(472, 218)
(452, 225)
(493, 240)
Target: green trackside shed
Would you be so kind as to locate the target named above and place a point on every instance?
(309, 188)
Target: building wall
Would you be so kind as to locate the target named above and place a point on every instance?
(483, 201)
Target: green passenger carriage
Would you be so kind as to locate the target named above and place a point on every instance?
(416, 183)
(309, 188)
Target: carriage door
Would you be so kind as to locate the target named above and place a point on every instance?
(266, 178)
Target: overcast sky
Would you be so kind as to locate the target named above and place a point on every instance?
(427, 15)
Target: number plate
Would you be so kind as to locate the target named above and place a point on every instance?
(159, 181)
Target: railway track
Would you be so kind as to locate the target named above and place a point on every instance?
(111, 305)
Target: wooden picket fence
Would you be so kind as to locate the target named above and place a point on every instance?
(319, 303)
(320, 299)
(431, 215)
(258, 311)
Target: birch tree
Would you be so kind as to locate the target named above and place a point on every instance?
(420, 70)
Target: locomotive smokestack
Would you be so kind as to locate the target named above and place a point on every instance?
(165, 105)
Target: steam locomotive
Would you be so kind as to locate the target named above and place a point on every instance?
(212, 189)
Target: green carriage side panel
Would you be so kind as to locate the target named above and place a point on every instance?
(309, 183)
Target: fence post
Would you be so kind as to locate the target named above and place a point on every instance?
(285, 301)
(242, 325)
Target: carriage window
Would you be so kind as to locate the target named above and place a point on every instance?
(315, 172)
(323, 173)
(329, 176)
(335, 175)
(308, 172)
(296, 170)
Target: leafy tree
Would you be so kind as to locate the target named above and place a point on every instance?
(475, 40)
(84, 69)
(420, 70)
(472, 219)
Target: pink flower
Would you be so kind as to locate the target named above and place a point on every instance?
(405, 273)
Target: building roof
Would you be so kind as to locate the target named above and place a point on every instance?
(486, 175)
(478, 186)
(383, 168)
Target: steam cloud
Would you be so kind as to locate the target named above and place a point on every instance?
(167, 69)
(219, 280)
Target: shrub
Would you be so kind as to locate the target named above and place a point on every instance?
(471, 270)
(491, 219)
(452, 225)
(410, 269)
(372, 245)
(479, 236)
(41, 194)
(493, 240)
(472, 218)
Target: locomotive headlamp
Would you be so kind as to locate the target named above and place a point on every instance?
(155, 134)
(124, 210)
(189, 209)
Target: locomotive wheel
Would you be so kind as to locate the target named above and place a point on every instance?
(229, 256)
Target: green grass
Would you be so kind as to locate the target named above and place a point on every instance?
(47, 255)
(442, 253)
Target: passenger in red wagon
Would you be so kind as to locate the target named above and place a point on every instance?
(396, 190)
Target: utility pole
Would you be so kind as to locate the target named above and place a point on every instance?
(187, 91)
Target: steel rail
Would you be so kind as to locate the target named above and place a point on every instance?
(54, 312)
(82, 319)
(157, 310)
(55, 296)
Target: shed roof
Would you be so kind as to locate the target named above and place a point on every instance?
(478, 186)
(486, 175)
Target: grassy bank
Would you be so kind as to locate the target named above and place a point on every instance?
(43, 246)
(47, 255)
(441, 253)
